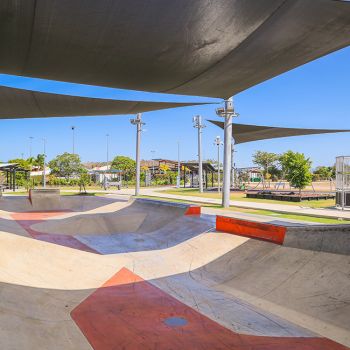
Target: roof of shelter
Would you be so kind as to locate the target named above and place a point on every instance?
(20, 103)
(193, 166)
(193, 47)
(247, 133)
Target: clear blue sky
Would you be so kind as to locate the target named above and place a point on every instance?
(314, 95)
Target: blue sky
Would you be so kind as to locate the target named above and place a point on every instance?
(316, 95)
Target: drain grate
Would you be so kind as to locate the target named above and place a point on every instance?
(175, 321)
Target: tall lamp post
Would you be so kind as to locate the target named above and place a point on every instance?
(73, 136)
(30, 146)
(153, 151)
(107, 150)
(138, 122)
(197, 123)
(178, 178)
(228, 113)
(44, 169)
(218, 143)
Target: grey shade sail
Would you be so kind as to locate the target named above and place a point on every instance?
(193, 47)
(243, 133)
(20, 103)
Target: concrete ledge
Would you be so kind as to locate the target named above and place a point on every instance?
(326, 238)
(43, 194)
(253, 229)
(190, 209)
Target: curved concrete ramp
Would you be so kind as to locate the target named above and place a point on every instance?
(207, 290)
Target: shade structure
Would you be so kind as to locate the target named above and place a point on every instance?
(20, 103)
(194, 47)
(243, 133)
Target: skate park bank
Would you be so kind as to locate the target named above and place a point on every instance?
(115, 272)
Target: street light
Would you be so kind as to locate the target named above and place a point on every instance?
(153, 161)
(228, 113)
(73, 131)
(218, 143)
(107, 150)
(30, 146)
(178, 166)
(44, 170)
(138, 122)
(197, 123)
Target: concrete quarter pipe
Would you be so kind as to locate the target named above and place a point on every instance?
(106, 273)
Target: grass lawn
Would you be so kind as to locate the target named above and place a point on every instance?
(240, 196)
(271, 213)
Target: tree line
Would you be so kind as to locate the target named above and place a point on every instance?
(291, 166)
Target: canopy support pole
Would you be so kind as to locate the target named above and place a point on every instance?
(138, 122)
(228, 113)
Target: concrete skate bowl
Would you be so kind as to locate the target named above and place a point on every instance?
(215, 291)
(81, 203)
(119, 226)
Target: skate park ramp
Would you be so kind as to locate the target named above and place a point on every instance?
(113, 227)
(210, 290)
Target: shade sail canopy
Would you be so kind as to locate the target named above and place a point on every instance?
(247, 133)
(194, 47)
(19, 103)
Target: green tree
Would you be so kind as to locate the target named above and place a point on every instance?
(323, 172)
(265, 160)
(66, 165)
(296, 169)
(39, 161)
(123, 163)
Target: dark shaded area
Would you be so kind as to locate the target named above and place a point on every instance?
(194, 47)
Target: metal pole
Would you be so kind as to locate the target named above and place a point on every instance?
(138, 122)
(219, 167)
(44, 170)
(232, 164)
(218, 143)
(30, 146)
(107, 136)
(197, 123)
(73, 129)
(227, 112)
(200, 165)
(178, 165)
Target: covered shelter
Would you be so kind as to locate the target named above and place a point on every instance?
(10, 170)
(21, 103)
(192, 168)
(243, 133)
(192, 47)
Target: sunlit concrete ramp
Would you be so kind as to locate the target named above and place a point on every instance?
(204, 290)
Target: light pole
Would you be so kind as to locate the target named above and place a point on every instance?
(153, 161)
(178, 166)
(228, 113)
(138, 122)
(233, 163)
(218, 143)
(44, 170)
(73, 136)
(197, 123)
(30, 146)
(107, 149)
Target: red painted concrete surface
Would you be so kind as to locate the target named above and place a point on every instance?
(259, 230)
(193, 210)
(128, 313)
(26, 220)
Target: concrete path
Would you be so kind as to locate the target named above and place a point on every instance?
(283, 208)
